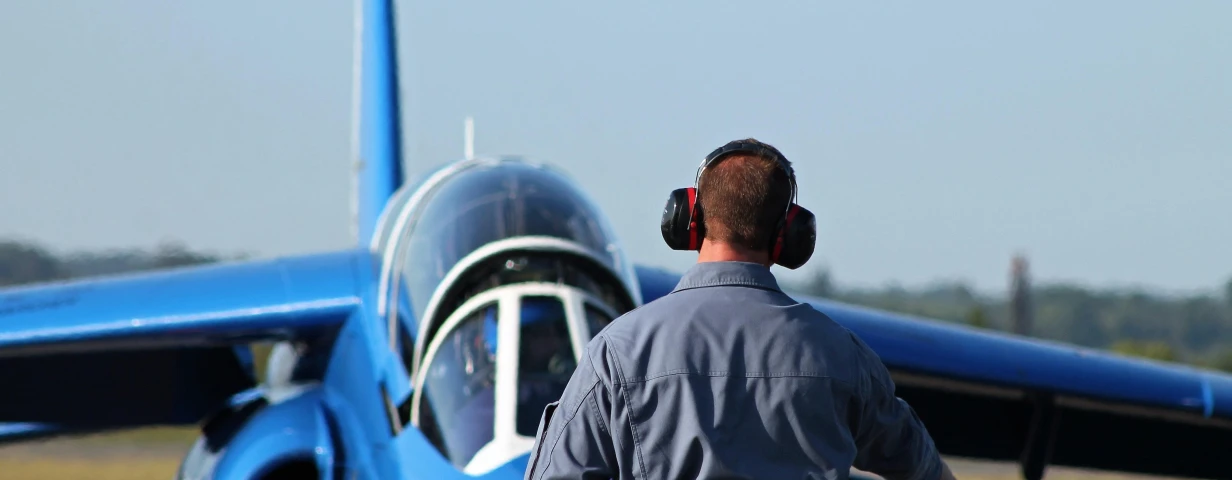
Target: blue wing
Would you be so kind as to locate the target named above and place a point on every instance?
(158, 348)
(997, 396)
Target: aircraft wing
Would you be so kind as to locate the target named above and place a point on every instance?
(160, 348)
(997, 396)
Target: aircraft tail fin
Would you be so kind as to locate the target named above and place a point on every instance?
(376, 135)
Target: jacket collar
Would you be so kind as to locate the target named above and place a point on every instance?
(714, 274)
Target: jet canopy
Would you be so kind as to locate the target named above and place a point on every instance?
(496, 274)
(465, 212)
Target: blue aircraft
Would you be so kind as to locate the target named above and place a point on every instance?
(430, 349)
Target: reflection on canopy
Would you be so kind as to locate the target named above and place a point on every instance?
(480, 398)
(458, 388)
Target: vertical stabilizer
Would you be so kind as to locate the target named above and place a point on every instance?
(376, 123)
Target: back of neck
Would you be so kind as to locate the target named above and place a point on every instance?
(714, 251)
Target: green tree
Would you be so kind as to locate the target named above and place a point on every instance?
(977, 318)
(1071, 314)
(821, 285)
(175, 254)
(1139, 316)
(26, 263)
(1222, 360)
(1227, 293)
(1146, 349)
(1201, 323)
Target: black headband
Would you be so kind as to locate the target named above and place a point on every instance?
(740, 146)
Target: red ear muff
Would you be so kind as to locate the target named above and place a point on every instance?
(796, 239)
(682, 224)
(681, 228)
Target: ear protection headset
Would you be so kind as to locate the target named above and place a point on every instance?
(796, 230)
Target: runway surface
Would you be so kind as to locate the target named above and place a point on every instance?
(155, 454)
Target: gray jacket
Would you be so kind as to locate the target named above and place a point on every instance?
(728, 377)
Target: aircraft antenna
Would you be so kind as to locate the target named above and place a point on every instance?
(469, 147)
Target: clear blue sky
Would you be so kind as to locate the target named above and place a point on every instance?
(933, 139)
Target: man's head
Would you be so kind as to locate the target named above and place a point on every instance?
(741, 204)
(743, 196)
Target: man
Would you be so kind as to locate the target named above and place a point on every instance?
(727, 376)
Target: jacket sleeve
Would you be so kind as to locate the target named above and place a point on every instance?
(574, 440)
(891, 441)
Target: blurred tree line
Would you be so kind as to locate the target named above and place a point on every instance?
(1194, 329)
(26, 262)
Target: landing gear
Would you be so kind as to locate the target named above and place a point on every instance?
(1041, 436)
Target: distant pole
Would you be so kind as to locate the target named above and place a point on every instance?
(469, 147)
(1020, 296)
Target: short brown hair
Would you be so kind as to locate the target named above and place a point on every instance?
(743, 196)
